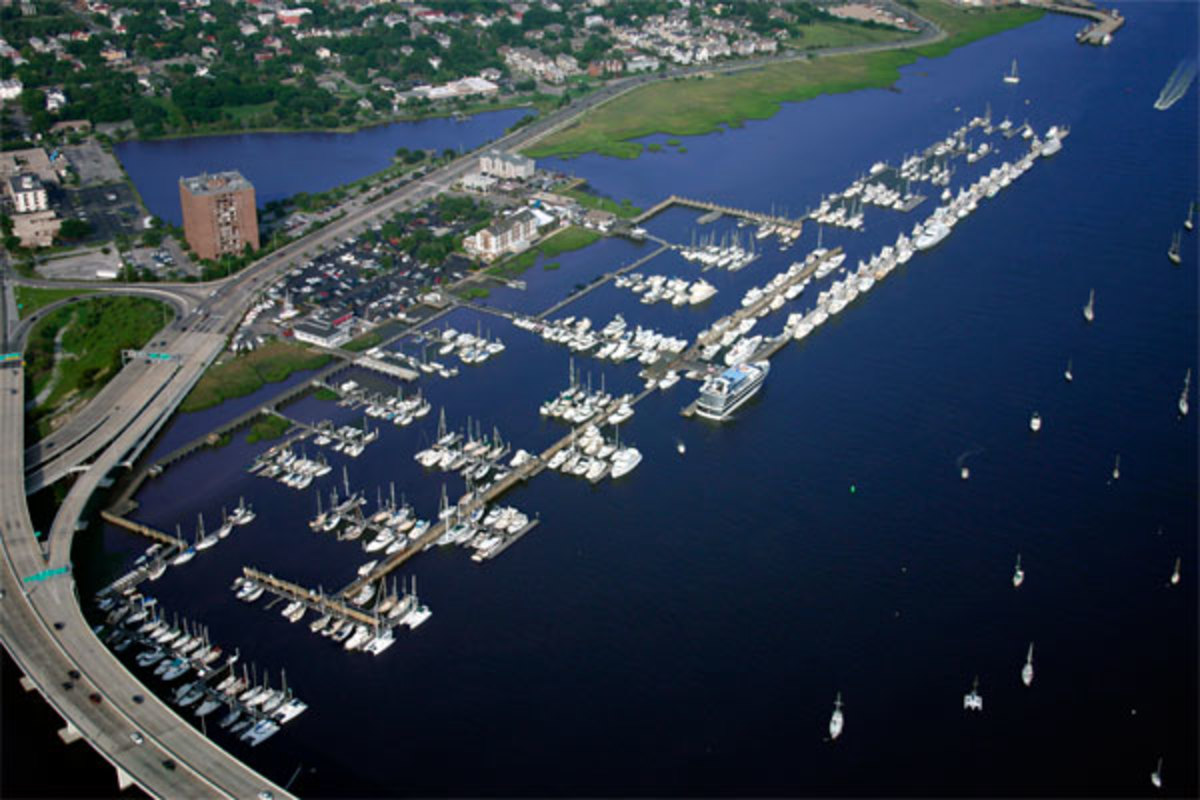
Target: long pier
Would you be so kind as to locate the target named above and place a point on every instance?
(1104, 23)
(143, 530)
(603, 279)
(704, 205)
(470, 502)
(326, 603)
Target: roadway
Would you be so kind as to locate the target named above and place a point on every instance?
(31, 612)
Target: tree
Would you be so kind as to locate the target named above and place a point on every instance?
(74, 229)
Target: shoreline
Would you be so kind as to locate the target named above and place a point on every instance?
(713, 100)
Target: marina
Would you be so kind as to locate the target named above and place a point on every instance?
(865, 411)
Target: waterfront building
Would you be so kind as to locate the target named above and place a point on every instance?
(506, 165)
(321, 332)
(219, 215)
(27, 193)
(511, 234)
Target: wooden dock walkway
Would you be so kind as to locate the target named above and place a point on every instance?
(1099, 32)
(600, 281)
(327, 604)
(143, 530)
(704, 205)
(468, 503)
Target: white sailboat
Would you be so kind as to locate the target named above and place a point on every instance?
(1175, 573)
(1011, 76)
(1027, 670)
(1089, 311)
(1035, 422)
(1068, 374)
(1116, 473)
(837, 721)
(1156, 776)
(973, 700)
(1173, 250)
(1018, 573)
(1183, 396)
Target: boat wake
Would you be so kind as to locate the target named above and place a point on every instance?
(958, 462)
(1177, 85)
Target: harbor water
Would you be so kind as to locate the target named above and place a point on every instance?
(684, 630)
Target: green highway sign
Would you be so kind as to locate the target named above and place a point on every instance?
(46, 574)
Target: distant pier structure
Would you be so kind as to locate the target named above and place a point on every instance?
(1102, 27)
(711, 208)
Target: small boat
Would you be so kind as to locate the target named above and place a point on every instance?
(1011, 76)
(972, 700)
(837, 721)
(1116, 473)
(1187, 222)
(1027, 670)
(1035, 422)
(1173, 250)
(1068, 375)
(1183, 396)
(1089, 311)
(680, 448)
(1156, 776)
(1175, 574)
(1018, 573)
(964, 472)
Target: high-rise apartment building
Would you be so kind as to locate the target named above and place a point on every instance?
(219, 215)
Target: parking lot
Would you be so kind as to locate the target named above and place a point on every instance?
(94, 165)
(111, 210)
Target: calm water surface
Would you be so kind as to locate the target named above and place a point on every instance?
(283, 164)
(684, 630)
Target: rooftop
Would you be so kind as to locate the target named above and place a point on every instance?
(216, 183)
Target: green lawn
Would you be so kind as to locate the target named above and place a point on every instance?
(697, 106)
(94, 332)
(843, 34)
(364, 342)
(563, 241)
(31, 298)
(248, 372)
(624, 209)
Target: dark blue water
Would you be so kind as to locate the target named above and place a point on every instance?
(683, 631)
(283, 164)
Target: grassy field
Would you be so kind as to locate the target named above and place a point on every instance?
(269, 427)
(248, 372)
(843, 34)
(697, 106)
(364, 342)
(93, 334)
(586, 199)
(31, 298)
(564, 241)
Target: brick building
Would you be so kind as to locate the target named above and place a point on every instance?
(219, 215)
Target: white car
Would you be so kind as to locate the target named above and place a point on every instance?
(136, 737)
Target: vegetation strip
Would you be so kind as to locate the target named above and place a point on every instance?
(245, 374)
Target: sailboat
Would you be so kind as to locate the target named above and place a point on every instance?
(1156, 776)
(972, 700)
(1011, 76)
(1175, 573)
(1187, 222)
(1173, 250)
(1116, 473)
(203, 541)
(1018, 574)
(1035, 422)
(1068, 374)
(1089, 311)
(1027, 670)
(837, 721)
(1183, 396)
